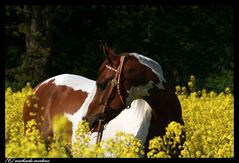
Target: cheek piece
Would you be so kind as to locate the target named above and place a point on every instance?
(114, 83)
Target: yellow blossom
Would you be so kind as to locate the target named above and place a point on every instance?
(209, 127)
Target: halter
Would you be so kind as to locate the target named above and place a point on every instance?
(114, 82)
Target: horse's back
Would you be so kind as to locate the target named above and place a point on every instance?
(55, 96)
(75, 82)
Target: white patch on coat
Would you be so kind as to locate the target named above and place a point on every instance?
(135, 120)
(141, 91)
(75, 82)
(81, 112)
(153, 65)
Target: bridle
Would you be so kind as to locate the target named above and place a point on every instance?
(105, 102)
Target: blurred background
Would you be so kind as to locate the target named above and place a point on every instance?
(44, 41)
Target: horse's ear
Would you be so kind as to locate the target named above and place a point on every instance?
(109, 53)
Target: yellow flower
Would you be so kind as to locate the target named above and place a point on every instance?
(192, 78)
(209, 127)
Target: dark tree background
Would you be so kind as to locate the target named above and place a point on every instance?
(43, 41)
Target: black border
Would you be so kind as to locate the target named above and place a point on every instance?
(2, 65)
(131, 2)
(236, 81)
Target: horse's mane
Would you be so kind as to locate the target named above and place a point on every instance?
(153, 65)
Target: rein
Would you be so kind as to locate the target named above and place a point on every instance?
(114, 82)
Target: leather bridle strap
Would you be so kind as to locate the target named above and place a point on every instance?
(114, 82)
(118, 78)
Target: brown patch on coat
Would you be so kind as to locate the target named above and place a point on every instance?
(52, 100)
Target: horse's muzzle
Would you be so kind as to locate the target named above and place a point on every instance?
(92, 121)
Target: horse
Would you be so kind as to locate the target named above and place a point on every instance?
(63, 95)
(126, 77)
(70, 95)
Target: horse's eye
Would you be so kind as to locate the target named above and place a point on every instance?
(101, 86)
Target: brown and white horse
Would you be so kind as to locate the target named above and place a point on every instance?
(60, 95)
(127, 77)
(70, 95)
(128, 80)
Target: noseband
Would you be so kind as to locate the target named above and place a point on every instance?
(105, 102)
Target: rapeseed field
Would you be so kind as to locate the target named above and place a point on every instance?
(209, 127)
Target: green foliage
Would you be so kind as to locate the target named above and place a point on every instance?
(220, 80)
(183, 39)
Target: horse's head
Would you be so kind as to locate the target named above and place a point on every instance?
(122, 79)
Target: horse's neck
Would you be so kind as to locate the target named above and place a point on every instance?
(165, 108)
(135, 120)
(165, 105)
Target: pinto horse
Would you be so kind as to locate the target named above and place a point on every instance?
(60, 95)
(129, 76)
(70, 95)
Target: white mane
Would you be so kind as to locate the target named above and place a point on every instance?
(153, 65)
